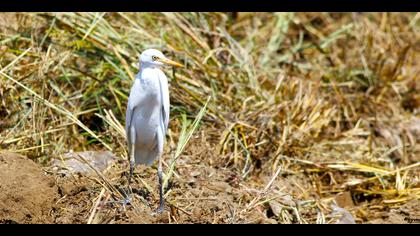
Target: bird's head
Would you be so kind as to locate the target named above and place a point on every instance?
(153, 57)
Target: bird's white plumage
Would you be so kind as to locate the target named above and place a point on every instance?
(147, 115)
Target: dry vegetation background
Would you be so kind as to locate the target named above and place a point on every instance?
(309, 113)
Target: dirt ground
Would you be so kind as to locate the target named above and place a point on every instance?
(31, 193)
(27, 195)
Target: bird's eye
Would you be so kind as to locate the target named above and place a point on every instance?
(154, 58)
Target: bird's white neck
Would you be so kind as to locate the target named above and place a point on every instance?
(145, 65)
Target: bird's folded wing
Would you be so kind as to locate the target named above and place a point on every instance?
(134, 100)
(165, 100)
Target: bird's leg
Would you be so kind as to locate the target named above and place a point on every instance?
(131, 157)
(131, 166)
(161, 200)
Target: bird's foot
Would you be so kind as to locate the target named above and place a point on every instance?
(159, 211)
(124, 202)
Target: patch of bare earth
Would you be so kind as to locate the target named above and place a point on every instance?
(27, 195)
(408, 212)
(202, 190)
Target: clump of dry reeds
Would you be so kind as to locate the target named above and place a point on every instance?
(334, 95)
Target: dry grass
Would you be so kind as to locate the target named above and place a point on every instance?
(332, 98)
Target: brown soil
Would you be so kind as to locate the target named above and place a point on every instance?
(203, 193)
(27, 195)
(406, 213)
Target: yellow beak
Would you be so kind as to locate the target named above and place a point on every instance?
(169, 62)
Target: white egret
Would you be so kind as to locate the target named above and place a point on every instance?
(147, 115)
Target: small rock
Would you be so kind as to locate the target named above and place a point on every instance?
(81, 162)
(276, 207)
(270, 221)
(70, 188)
(220, 187)
(196, 192)
(343, 216)
(197, 212)
(287, 200)
(344, 200)
(195, 173)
